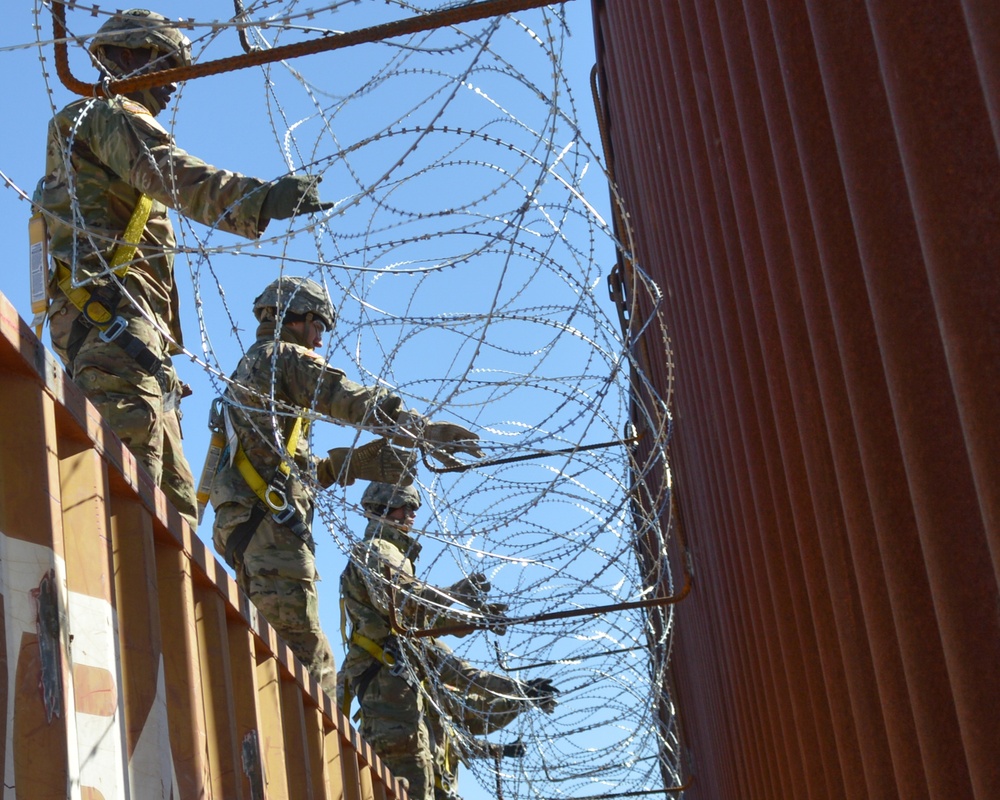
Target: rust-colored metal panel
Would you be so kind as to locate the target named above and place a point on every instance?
(298, 755)
(32, 581)
(130, 663)
(218, 695)
(182, 670)
(816, 189)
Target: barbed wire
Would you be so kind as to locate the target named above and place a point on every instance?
(467, 259)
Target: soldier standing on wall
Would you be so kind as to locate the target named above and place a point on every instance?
(394, 710)
(111, 172)
(262, 492)
(465, 703)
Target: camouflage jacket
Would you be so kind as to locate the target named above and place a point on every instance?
(382, 562)
(281, 375)
(466, 702)
(101, 155)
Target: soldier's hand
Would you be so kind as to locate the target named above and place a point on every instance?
(375, 461)
(513, 749)
(496, 612)
(471, 589)
(291, 195)
(452, 438)
(542, 692)
(441, 439)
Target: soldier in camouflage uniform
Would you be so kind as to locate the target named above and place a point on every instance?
(280, 379)
(465, 702)
(103, 155)
(379, 669)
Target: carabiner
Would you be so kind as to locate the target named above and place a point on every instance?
(279, 505)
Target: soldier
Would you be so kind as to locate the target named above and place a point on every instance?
(465, 703)
(263, 494)
(377, 669)
(111, 172)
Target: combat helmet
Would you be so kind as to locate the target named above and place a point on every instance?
(138, 28)
(291, 295)
(380, 497)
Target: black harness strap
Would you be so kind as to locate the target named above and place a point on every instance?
(115, 332)
(365, 678)
(243, 533)
(236, 544)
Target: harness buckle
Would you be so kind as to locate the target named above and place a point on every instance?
(390, 653)
(276, 501)
(115, 328)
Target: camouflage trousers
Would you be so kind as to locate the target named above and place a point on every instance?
(143, 410)
(392, 720)
(278, 574)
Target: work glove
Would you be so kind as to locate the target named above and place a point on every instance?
(496, 611)
(291, 195)
(442, 438)
(470, 590)
(542, 692)
(375, 461)
(513, 749)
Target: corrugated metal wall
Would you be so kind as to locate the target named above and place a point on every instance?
(816, 187)
(131, 665)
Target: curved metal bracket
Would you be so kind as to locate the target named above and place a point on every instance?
(488, 623)
(422, 22)
(492, 462)
(666, 790)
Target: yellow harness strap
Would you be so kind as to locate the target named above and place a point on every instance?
(79, 296)
(373, 648)
(125, 252)
(448, 766)
(257, 484)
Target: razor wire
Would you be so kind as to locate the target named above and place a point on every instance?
(468, 260)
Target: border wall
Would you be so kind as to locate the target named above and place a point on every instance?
(133, 666)
(815, 186)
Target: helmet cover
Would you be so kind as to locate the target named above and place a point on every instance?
(292, 295)
(379, 497)
(138, 28)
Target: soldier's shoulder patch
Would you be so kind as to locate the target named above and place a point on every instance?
(143, 121)
(312, 355)
(135, 108)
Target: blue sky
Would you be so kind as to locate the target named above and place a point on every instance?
(467, 257)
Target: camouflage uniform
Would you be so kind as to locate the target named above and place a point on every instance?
(467, 702)
(277, 570)
(101, 155)
(393, 708)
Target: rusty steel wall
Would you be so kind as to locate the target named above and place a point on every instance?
(815, 185)
(132, 666)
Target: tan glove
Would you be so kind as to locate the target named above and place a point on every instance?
(441, 439)
(498, 614)
(453, 438)
(542, 693)
(291, 195)
(375, 461)
(471, 590)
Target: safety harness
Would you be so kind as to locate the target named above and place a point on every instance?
(271, 497)
(445, 777)
(99, 307)
(387, 654)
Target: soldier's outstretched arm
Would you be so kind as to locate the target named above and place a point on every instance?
(386, 570)
(141, 152)
(439, 439)
(310, 381)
